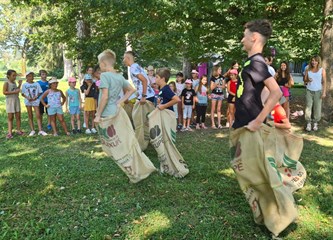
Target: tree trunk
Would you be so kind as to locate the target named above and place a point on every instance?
(187, 68)
(68, 64)
(327, 57)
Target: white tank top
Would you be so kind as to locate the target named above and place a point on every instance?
(316, 84)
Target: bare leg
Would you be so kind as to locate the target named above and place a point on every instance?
(31, 118)
(62, 122)
(86, 119)
(39, 119)
(18, 121)
(78, 121)
(219, 109)
(73, 121)
(212, 112)
(53, 124)
(92, 114)
(10, 122)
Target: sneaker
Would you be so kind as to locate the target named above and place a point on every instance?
(88, 131)
(20, 133)
(227, 125)
(198, 126)
(203, 126)
(42, 133)
(9, 136)
(179, 126)
(74, 131)
(32, 133)
(55, 135)
(220, 127)
(68, 133)
(308, 127)
(49, 127)
(189, 129)
(183, 129)
(93, 130)
(84, 125)
(79, 131)
(315, 127)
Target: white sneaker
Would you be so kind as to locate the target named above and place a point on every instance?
(315, 127)
(42, 133)
(93, 130)
(84, 125)
(32, 133)
(88, 131)
(308, 127)
(227, 125)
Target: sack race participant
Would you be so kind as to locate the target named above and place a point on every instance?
(267, 169)
(119, 142)
(140, 122)
(114, 127)
(163, 138)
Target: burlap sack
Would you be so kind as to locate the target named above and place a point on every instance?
(119, 142)
(140, 122)
(163, 138)
(267, 169)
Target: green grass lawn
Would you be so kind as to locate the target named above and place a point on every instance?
(67, 188)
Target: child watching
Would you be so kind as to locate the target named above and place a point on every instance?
(172, 86)
(112, 83)
(166, 96)
(201, 106)
(31, 91)
(180, 86)
(13, 106)
(73, 97)
(54, 105)
(89, 89)
(232, 86)
(188, 104)
(44, 84)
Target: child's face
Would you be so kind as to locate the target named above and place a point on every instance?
(179, 78)
(30, 77)
(54, 85)
(172, 86)
(43, 75)
(72, 84)
(194, 76)
(155, 86)
(188, 85)
(90, 71)
(97, 74)
(233, 76)
(159, 80)
(12, 76)
(204, 81)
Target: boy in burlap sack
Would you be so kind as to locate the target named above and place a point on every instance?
(162, 122)
(114, 127)
(256, 153)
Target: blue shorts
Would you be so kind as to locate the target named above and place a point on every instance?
(217, 97)
(54, 110)
(74, 110)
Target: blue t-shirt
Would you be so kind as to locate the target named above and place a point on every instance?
(73, 97)
(165, 95)
(44, 86)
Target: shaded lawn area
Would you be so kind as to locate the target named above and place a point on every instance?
(67, 188)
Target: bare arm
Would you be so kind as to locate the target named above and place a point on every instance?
(323, 82)
(129, 90)
(80, 99)
(284, 125)
(67, 103)
(102, 104)
(64, 98)
(43, 97)
(175, 99)
(273, 97)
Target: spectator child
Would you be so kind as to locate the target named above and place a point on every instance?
(89, 89)
(13, 106)
(73, 98)
(31, 91)
(217, 85)
(44, 84)
(232, 86)
(167, 98)
(56, 99)
(150, 75)
(201, 106)
(188, 104)
(97, 81)
(172, 86)
(180, 86)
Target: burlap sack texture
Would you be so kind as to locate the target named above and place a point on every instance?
(163, 138)
(268, 171)
(140, 122)
(119, 142)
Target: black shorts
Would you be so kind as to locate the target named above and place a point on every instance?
(42, 109)
(231, 99)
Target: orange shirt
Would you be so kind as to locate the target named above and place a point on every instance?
(278, 113)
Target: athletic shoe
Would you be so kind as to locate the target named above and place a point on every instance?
(32, 133)
(84, 125)
(189, 129)
(49, 127)
(9, 136)
(88, 131)
(315, 127)
(68, 133)
(20, 133)
(74, 131)
(93, 130)
(42, 133)
(55, 135)
(79, 131)
(308, 127)
(183, 129)
(227, 125)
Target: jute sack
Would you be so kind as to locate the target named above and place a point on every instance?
(260, 160)
(163, 138)
(119, 142)
(128, 107)
(140, 122)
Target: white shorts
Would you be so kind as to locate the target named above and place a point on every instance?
(187, 112)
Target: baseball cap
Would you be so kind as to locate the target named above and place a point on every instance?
(72, 79)
(53, 80)
(233, 71)
(87, 76)
(188, 81)
(194, 71)
(150, 68)
(29, 73)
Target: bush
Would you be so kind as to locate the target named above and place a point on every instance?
(57, 72)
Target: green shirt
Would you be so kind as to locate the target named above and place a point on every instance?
(115, 83)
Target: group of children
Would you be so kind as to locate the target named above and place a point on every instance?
(44, 96)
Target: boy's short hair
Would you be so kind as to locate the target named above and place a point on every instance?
(262, 26)
(164, 73)
(42, 71)
(108, 56)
